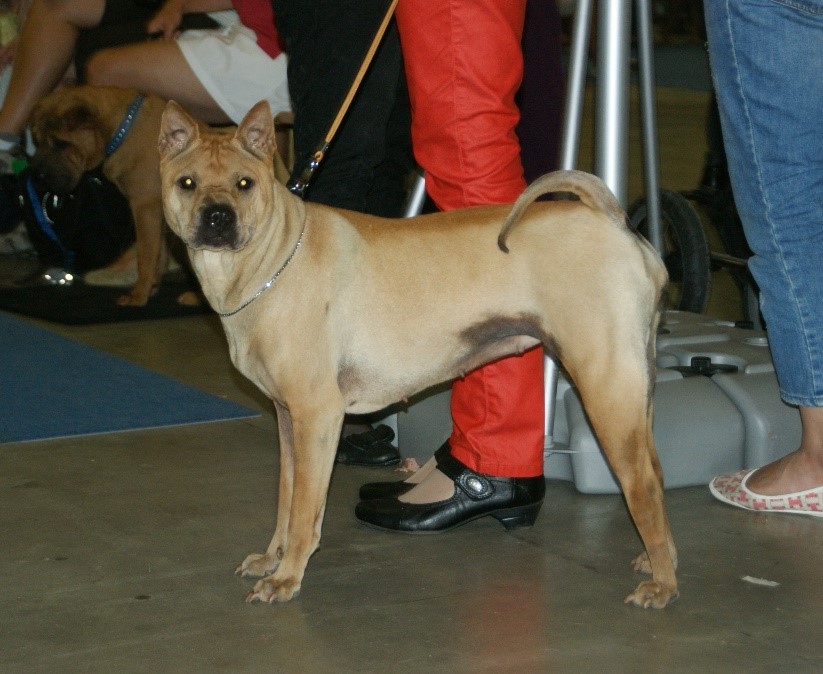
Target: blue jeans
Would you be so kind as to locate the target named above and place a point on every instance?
(767, 66)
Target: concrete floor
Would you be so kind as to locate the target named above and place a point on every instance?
(119, 550)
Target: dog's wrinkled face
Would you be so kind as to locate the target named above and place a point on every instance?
(70, 139)
(217, 187)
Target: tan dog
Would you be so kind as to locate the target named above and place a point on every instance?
(301, 287)
(71, 128)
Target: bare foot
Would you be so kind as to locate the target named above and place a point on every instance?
(122, 273)
(802, 469)
(798, 471)
(190, 298)
(432, 488)
(126, 262)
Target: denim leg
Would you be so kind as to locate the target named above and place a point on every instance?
(767, 66)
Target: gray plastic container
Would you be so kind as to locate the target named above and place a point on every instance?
(703, 425)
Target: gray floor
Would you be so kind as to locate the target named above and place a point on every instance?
(119, 553)
(119, 550)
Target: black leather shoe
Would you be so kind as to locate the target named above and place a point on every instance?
(393, 489)
(514, 501)
(372, 448)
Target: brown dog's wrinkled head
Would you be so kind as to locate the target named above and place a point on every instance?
(70, 139)
(217, 187)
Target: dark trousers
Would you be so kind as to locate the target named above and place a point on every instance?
(368, 164)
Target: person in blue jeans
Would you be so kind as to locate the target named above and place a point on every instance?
(767, 65)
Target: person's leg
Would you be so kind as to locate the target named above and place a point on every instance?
(542, 93)
(799, 471)
(44, 52)
(157, 67)
(772, 124)
(464, 65)
(540, 101)
(368, 164)
(326, 41)
(123, 22)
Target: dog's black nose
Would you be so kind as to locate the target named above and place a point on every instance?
(218, 226)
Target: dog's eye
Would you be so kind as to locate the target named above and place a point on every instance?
(186, 183)
(245, 184)
(59, 144)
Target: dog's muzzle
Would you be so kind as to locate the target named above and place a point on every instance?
(217, 227)
(54, 178)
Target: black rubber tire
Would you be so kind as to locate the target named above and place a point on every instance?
(685, 250)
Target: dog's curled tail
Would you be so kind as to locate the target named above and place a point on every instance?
(592, 191)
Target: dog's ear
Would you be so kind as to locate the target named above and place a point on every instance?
(256, 132)
(177, 131)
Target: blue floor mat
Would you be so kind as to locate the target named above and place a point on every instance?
(53, 387)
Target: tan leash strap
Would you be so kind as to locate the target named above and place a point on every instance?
(299, 184)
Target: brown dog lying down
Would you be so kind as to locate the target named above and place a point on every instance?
(300, 288)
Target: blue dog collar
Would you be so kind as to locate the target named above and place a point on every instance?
(125, 125)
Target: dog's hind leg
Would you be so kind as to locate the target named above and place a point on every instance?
(315, 432)
(620, 410)
(641, 562)
(259, 564)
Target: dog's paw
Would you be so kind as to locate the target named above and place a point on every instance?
(641, 563)
(257, 565)
(651, 594)
(190, 298)
(271, 589)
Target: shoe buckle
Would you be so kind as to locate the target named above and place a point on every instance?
(476, 486)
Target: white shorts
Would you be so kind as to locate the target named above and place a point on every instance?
(235, 71)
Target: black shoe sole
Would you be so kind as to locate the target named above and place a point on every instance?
(367, 464)
(518, 517)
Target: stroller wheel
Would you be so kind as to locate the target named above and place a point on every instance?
(685, 249)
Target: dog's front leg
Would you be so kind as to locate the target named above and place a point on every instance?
(315, 433)
(152, 255)
(259, 564)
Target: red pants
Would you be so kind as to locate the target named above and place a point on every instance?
(464, 65)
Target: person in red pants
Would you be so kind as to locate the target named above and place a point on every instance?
(464, 65)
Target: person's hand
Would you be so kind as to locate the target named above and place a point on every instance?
(165, 22)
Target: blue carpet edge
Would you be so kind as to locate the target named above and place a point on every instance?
(54, 387)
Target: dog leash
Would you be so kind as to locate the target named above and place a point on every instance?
(299, 183)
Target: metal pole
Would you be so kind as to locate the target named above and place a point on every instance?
(570, 144)
(648, 116)
(612, 110)
(417, 197)
(575, 84)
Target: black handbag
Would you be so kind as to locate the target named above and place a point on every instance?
(84, 230)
